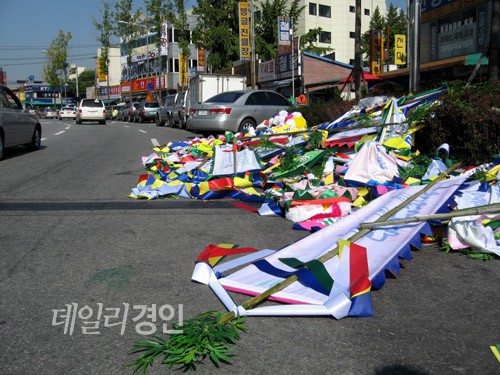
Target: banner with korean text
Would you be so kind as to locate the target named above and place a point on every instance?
(400, 49)
(245, 42)
(284, 45)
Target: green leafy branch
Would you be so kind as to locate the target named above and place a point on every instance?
(195, 340)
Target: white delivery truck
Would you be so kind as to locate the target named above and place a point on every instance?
(204, 86)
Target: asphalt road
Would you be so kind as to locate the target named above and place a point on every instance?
(70, 236)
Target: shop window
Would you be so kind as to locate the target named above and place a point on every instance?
(325, 11)
(173, 65)
(313, 9)
(325, 37)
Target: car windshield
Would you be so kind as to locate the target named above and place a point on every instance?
(91, 103)
(151, 104)
(225, 97)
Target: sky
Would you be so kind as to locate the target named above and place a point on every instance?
(27, 27)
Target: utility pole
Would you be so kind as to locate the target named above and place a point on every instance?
(415, 46)
(357, 50)
(292, 60)
(252, 39)
(494, 50)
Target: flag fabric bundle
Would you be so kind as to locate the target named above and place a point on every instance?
(265, 168)
(341, 286)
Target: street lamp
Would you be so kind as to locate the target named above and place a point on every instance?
(73, 66)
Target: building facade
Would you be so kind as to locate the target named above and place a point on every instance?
(154, 69)
(454, 35)
(337, 21)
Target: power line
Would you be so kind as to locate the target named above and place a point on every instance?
(21, 48)
(69, 57)
(44, 61)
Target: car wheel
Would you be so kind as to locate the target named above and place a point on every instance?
(158, 121)
(78, 121)
(246, 123)
(141, 119)
(1, 146)
(36, 140)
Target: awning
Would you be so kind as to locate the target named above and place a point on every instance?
(427, 67)
(474, 58)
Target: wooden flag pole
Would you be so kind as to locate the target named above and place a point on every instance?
(213, 333)
(479, 210)
(332, 253)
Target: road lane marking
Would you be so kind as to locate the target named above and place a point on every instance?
(143, 131)
(155, 142)
(59, 133)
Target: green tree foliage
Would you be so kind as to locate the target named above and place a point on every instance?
(308, 42)
(218, 28)
(377, 23)
(105, 29)
(85, 79)
(122, 11)
(217, 31)
(266, 25)
(181, 25)
(397, 23)
(55, 71)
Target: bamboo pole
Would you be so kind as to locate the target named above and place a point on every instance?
(332, 253)
(488, 209)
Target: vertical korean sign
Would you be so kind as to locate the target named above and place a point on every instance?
(376, 52)
(284, 46)
(245, 42)
(101, 69)
(400, 49)
(201, 59)
(164, 39)
(183, 69)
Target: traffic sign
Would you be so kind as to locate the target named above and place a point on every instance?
(150, 86)
(31, 77)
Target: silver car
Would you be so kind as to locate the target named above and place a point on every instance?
(146, 111)
(235, 110)
(180, 114)
(18, 127)
(166, 113)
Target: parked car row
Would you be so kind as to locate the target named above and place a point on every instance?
(174, 111)
(232, 111)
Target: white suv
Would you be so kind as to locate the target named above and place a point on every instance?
(91, 110)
